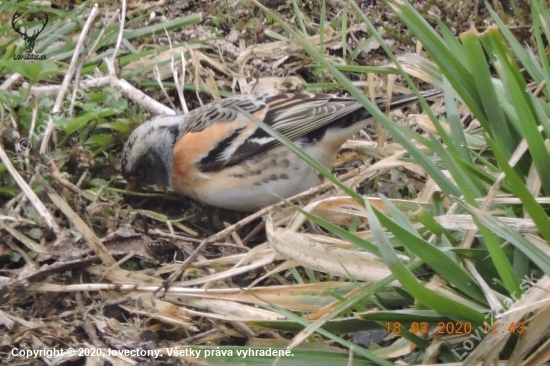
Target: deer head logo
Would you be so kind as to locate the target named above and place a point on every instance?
(29, 39)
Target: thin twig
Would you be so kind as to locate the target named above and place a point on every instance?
(29, 193)
(161, 86)
(135, 94)
(37, 248)
(179, 87)
(79, 224)
(56, 175)
(121, 30)
(10, 81)
(31, 133)
(100, 35)
(68, 76)
(48, 90)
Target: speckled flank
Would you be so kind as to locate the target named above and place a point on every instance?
(254, 167)
(252, 184)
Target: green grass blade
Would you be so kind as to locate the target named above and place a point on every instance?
(536, 212)
(496, 126)
(514, 238)
(453, 309)
(444, 265)
(515, 84)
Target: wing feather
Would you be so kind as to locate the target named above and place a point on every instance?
(293, 115)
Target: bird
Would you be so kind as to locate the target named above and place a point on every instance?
(216, 154)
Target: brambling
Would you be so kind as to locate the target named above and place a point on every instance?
(217, 155)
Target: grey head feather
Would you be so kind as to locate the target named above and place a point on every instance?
(148, 154)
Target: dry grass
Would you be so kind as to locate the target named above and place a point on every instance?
(85, 264)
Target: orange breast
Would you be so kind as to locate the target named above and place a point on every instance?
(194, 146)
(188, 150)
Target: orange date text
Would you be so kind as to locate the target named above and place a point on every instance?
(450, 327)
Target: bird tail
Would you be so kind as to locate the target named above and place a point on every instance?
(361, 114)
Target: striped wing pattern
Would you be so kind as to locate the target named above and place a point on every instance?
(293, 115)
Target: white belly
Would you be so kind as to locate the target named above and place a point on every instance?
(262, 181)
